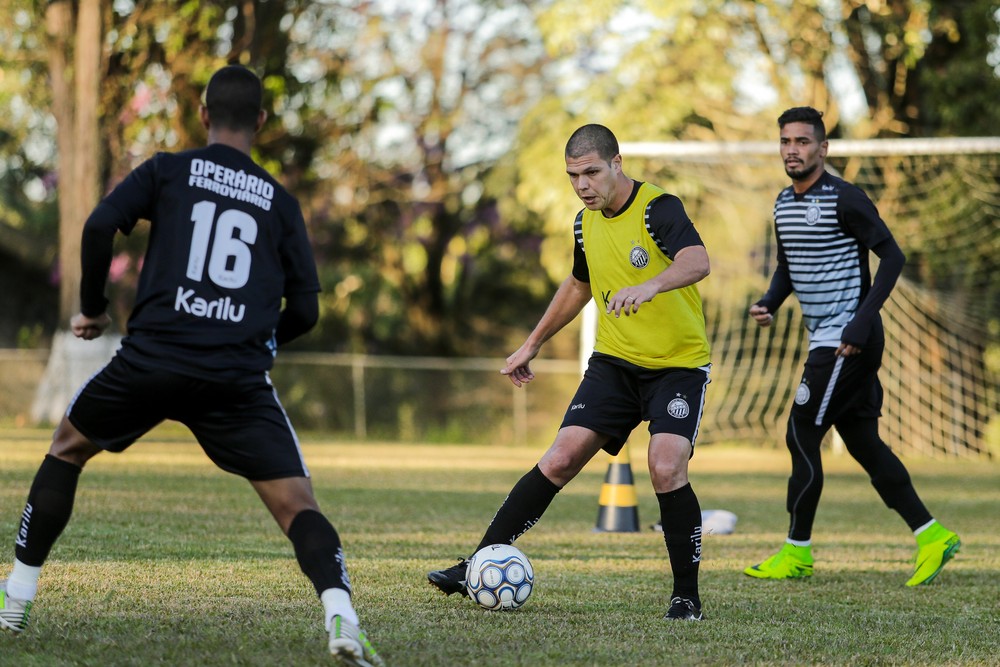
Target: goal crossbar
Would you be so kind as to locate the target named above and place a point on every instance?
(842, 147)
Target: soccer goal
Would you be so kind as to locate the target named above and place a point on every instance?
(941, 369)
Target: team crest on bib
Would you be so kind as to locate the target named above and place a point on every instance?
(813, 214)
(802, 394)
(678, 408)
(638, 257)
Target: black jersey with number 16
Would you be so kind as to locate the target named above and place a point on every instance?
(227, 242)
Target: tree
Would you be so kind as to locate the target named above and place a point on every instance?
(123, 83)
(408, 231)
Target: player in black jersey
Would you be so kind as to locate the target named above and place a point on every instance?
(825, 228)
(227, 244)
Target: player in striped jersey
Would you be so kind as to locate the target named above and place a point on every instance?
(825, 228)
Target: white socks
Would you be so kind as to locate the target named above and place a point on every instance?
(23, 581)
(924, 527)
(798, 543)
(337, 602)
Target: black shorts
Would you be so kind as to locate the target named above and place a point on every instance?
(239, 423)
(833, 387)
(615, 396)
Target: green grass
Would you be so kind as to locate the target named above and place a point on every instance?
(170, 561)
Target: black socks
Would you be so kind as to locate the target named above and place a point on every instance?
(521, 510)
(680, 515)
(47, 510)
(319, 552)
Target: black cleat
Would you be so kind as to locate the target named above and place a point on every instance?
(450, 580)
(683, 609)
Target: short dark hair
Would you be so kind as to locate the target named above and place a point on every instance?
(590, 139)
(804, 115)
(233, 98)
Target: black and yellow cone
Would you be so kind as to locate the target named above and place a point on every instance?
(619, 508)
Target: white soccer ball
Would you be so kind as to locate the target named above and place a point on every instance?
(499, 577)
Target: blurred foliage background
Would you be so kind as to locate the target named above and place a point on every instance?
(425, 138)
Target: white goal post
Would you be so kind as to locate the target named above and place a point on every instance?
(941, 198)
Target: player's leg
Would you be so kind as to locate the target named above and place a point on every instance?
(573, 447)
(107, 413)
(603, 413)
(673, 401)
(936, 545)
(46, 513)
(805, 486)
(523, 507)
(320, 555)
(680, 516)
(243, 428)
(856, 420)
(820, 389)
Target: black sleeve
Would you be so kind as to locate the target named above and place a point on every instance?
(96, 248)
(780, 287)
(858, 217)
(890, 267)
(119, 211)
(580, 269)
(670, 225)
(300, 314)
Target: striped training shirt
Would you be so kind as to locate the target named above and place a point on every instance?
(823, 239)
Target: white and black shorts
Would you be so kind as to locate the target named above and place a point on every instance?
(240, 424)
(616, 395)
(833, 387)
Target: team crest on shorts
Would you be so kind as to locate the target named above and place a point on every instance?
(678, 408)
(802, 394)
(638, 257)
(813, 214)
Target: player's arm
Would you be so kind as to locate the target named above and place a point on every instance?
(572, 295)
(96, 249)
(860, 217)
(675, 233)
(780, 288)
(300, 314)
(119, 211)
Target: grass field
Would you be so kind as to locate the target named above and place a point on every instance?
(169, 561)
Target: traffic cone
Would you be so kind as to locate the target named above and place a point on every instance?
(619, 509)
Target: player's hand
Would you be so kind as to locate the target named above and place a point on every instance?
(89, 328)
(847, 350)
(627, 300)
(517, 370)
(761, 315)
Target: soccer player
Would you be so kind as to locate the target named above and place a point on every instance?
(825, 228)
(638, 254)
(227, 243)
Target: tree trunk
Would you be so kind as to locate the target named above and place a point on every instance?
(75, 39)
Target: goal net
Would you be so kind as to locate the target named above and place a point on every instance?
(941, 199)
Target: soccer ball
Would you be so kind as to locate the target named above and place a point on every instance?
(499, 577)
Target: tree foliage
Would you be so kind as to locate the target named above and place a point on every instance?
(425, 139)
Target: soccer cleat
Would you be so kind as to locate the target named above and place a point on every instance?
(450, 580)
(791, 562)
(933, 552)
(13, 612)
(350, 646)
(683, 609)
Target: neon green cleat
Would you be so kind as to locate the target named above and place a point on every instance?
(935, 547)
(13, 612)
(791, 562)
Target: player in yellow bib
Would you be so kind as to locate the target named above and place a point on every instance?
(639, 256)
(620, 251)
